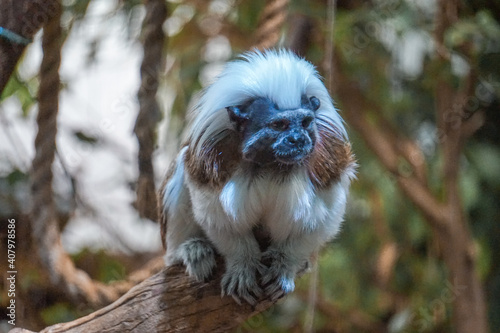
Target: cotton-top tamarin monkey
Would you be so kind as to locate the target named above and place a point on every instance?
(267, 150)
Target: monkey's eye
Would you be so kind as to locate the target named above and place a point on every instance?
(307, 121)
(280, 125)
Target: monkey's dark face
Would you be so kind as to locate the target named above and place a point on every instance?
(271, 135)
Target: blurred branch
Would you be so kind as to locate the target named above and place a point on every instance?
(329, 45)
(299, 36)
(149, 114)
(475, 122)
(24, 18)
(389, 151)
(456, 241)
(447, 218)
(388, 253)
(153, 266)
(405, 147)
(312, 296)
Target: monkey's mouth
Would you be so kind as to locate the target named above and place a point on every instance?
(280, 154)
(292, 156)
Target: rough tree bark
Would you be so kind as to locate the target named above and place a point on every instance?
(169, 301)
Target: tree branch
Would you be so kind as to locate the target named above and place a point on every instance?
(470, 308)
(299, 37)
(389, 151)
(149, 114)
(169, 301)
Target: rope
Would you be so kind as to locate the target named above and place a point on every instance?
(149, 114)
(270, 24)
(43, 210)
(43, 216)
(12, 37)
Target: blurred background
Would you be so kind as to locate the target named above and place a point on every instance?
(390, 67)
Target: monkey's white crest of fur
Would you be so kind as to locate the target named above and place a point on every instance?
(279, 75)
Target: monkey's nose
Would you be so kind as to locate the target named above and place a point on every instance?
(296, 140)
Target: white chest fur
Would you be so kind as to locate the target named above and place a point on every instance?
(285, 208)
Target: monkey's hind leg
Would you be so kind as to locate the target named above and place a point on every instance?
(198, 255)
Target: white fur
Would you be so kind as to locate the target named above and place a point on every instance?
(177, 205)
(279, 75)
(286, 209)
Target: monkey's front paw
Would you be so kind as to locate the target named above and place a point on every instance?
(198, 256)
(240, 281)
(279, 276)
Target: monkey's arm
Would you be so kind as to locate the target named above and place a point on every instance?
(182, 236)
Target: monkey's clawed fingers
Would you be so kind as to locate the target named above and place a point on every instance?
(240, 282)
(279, 276)
(280, 287)
(198, 256)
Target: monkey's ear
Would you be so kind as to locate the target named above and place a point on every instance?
(237, 115)
(315, 103)
(311, 103)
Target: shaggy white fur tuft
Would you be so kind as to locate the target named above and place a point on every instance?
(279, 75)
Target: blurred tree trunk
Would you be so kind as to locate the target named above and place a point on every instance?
(446, 216)
(149, 113)
(24, 18)
(446, 219)
(453, 233)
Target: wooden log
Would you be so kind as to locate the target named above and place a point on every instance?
(168, 301)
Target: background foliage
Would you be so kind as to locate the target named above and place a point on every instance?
(385, 270)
